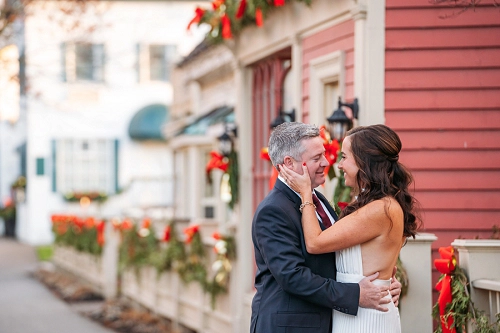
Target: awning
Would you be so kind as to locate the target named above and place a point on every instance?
(199, 126)
(147, 123)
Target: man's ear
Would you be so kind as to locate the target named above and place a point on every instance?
(288, 162)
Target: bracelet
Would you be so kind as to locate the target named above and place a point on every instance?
(305, 204)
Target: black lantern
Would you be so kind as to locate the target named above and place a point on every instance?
(226, 140)
(339, 123)
(283, 117)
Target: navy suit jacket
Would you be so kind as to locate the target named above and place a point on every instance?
(296, 291)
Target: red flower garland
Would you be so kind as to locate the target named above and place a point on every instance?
(100, 233)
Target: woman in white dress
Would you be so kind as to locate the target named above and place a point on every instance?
(371, 229)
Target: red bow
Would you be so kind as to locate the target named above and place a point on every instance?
(226, 27)
(190, 232)
(259, 20)
(279, 3)
(217, 3)
(216, 162)
(264, 154)
(446, 265)
(199, 14)
(166, 234)
(241, 9)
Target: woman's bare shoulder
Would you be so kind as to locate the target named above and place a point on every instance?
(384, 206)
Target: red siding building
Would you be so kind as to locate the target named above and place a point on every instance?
(442, 95)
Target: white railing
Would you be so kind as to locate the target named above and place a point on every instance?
(493, 289)
(480, 260)
(99, 271)
(151, 196)
(151, 191)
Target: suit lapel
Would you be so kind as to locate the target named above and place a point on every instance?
(291, 195)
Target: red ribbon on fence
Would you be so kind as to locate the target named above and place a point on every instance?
(446, 265)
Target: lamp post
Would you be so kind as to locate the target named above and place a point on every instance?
(283, 117)
(226, 140)
(339, 123)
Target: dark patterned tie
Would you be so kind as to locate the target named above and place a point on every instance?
(319, 208)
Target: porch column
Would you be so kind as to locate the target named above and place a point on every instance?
(369, 60)
(416, 305)
(297, 76)
(243, 272)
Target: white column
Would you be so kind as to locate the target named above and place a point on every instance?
(416, 305)
(242, 274)
(195, 181)
(369, 60)
(297, 76)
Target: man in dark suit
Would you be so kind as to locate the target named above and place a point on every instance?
(296, 291)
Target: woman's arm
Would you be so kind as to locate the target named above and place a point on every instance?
(359, 227)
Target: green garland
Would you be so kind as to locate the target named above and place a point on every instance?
(402, 277)
(20, 182)
(136, 250)
(189, 260)
(462, 308)
(342, 193)
(233, 173)
(226, 251)
(173, 254)
(193, 268)
(213, 17)
(93, 196)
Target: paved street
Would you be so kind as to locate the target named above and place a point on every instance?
(26, 305)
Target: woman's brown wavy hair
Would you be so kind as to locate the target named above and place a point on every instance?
(376, 151)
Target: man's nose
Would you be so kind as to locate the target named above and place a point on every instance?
(324, 161)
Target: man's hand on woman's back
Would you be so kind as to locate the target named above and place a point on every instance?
(372, 296)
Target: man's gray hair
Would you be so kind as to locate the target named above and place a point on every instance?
(286, 140)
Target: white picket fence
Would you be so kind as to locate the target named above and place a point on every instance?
(188, 305)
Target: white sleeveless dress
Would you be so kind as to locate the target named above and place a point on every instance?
(350, 269)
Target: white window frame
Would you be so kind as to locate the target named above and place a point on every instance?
(69, 62)
(144, 61)
(80, 170)
(190, 180)
(325, 70)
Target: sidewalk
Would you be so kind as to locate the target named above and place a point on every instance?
(27, 306)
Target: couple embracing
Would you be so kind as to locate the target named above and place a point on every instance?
(309, 261)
